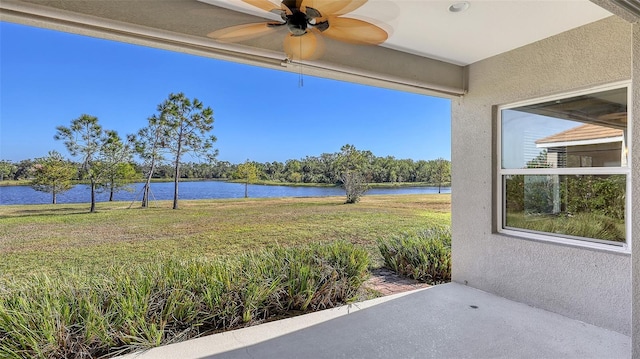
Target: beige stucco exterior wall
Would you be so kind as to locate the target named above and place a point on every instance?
(589, 285)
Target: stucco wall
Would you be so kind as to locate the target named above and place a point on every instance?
(589, 285)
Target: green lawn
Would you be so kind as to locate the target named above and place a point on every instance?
(56, 238)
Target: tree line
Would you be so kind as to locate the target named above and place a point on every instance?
(105, 161)
(310, 169)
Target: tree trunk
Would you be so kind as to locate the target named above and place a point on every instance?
(175, 185)
(53, 200)
(246, 189)
(145, 194)
(111, 194)
(93, 196)
(176, 178)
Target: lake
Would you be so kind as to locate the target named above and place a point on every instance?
(191, 190)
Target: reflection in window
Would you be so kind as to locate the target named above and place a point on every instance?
(564, 167)
(583, 131)
(573, 206)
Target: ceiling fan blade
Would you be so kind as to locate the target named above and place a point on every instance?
(243, 32)
(309, 46)
(311, 12)
(265, 5)
(333, 7)
(355, 31)
(286, 10)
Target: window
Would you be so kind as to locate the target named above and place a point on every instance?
(564, 172)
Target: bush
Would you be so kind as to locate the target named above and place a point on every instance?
(424, 256)
(142, 306)
(603, 195)
(355, 185)
(593, 194)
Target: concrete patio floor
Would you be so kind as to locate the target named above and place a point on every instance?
(444, 321)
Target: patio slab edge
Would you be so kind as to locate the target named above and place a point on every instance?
(239, 338)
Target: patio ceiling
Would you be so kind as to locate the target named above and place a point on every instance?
(427, 48)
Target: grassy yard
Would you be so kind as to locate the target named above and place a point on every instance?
(56, 238)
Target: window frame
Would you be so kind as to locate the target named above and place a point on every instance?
(500, 184)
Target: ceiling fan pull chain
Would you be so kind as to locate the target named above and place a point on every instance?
(300, 78)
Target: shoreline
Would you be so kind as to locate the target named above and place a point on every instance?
(11, 183)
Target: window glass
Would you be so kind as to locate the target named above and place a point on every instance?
(564, 168)
(581, 131)
(585, 206)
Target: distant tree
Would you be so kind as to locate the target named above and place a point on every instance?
(540, 161)
(293, 169)
(380, 169)
(149, 145)
(441, 172)
(117, 171)
(294, 177)
(406, 171)
(6, 169)
(274, 170)
(186, 125)
(353, 159)
(53, 174)
(248, 172)
(221, 169)
(23, 170)
(163, 171)
(86, 139)
(327, 165)
(318, 169)
(421, 171)
(118, 177)
(202, 170)
(352, 164)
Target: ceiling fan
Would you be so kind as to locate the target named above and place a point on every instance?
(307, 22)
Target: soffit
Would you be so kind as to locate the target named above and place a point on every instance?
(427, 46)
(485, 29)
(606, 109)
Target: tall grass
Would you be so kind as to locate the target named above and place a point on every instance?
(424, 256)
(141, 306)
(587, 225)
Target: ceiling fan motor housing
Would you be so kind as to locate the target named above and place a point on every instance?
(297, 22)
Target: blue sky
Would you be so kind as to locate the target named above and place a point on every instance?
(49, 78)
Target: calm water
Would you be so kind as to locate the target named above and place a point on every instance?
(191, 190)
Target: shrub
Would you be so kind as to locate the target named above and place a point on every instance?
(603, 195)
(424, 256)
(142, 306)
(354, 184)
(593, 194)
